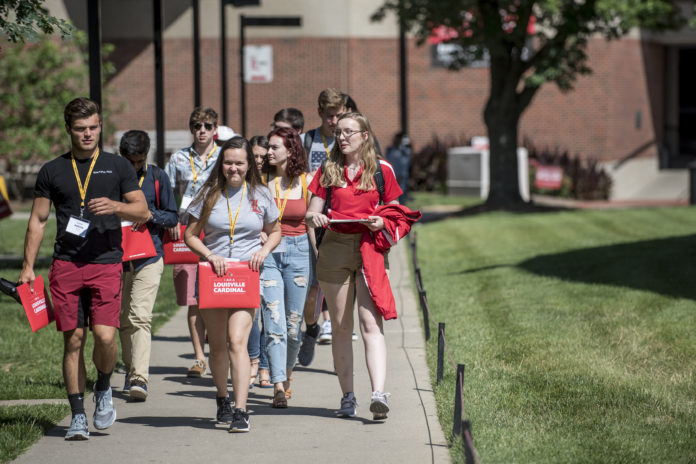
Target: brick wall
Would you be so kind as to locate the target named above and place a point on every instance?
(597, 119)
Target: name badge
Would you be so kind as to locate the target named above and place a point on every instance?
(282, 246)
(185, 202)
(77, 226)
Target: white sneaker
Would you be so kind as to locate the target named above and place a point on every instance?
(355, 336)
(325, 335)
(379, 407)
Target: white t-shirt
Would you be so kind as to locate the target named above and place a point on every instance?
(257, 209)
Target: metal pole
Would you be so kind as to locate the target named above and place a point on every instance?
(457, 425)
(242, 87)
(440, 351)
(403, 78)
(159, 80)
(468, 452)
(426, 323)
(196, 55)
(94, 33)
(223, 61)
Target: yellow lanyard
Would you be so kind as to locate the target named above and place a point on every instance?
(326, 147)
(233, 224)
(285, 200)
(83, 190)
(142, 178)
(205, 163)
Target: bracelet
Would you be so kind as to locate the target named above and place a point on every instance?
(208, 256)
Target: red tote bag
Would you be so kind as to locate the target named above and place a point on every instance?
(176, 252)
(238, 288)
(36, 305)
(136, 244)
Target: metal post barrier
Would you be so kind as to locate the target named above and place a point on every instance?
(468, 450)
(457, 424)
(419, 283)
(440, 351)
(426, 323)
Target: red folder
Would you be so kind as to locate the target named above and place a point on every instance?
(136, 244)
(238, 288)
(37, 305)
(176, 252)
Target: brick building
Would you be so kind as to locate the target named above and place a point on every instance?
(636, 106)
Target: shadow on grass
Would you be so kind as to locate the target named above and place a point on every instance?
(666, 266)
(525, 208)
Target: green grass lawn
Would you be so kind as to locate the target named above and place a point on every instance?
(578, 331)
(30, 363)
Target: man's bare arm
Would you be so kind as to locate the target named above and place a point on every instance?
(36, 228)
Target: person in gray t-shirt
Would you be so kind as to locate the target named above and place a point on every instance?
(233, 202)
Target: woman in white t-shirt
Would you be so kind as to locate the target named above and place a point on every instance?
(232, 209)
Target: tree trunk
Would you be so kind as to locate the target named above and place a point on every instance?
(502, 119)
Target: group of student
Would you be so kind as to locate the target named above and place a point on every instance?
(231, 199)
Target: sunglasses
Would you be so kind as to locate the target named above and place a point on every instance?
(208, 126)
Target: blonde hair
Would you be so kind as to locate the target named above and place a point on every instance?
(332, 174)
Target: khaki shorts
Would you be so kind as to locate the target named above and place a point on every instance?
(339, 258)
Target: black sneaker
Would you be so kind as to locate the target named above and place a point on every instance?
(224, 410)
(240, 421)
(10, 289)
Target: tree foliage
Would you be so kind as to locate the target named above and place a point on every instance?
(25, 20)
(38, 80)
(528, 43)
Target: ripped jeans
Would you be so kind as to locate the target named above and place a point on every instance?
(285, 279)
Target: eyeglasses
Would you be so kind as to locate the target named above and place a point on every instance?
(346, 133)
(208, 126)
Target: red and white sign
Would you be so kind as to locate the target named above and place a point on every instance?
(238, 288)
(36, 305)
(176, 252)
(258, 64)
(136, 244)
(548, 177)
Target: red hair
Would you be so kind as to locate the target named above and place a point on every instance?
(297, 158)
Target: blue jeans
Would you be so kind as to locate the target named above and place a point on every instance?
(257, 343)
(285, 279)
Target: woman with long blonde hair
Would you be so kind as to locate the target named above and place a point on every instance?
(348, 179)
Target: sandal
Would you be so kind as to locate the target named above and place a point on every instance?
(265, 379)
(279, 400)
(288, 391)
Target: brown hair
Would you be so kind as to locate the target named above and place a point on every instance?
(330, 99)
(80, 108)
(212, 188)
(203, 114)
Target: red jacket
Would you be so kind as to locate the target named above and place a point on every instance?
(398, 220)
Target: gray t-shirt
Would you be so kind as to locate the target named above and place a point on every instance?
(257, 209)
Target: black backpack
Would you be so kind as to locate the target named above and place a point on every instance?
(379, 182)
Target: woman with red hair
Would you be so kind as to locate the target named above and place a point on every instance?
(286, 271)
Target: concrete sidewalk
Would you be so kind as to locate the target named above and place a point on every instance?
(176, 424)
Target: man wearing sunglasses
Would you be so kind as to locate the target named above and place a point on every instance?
(188, 169)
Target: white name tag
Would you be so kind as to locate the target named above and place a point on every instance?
(185, 202)
(77, 226)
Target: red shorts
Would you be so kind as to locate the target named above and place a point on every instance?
(185, 284)
(85, 293)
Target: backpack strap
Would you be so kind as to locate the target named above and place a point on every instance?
(379, 181)
(158, 174)
(308, 139)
